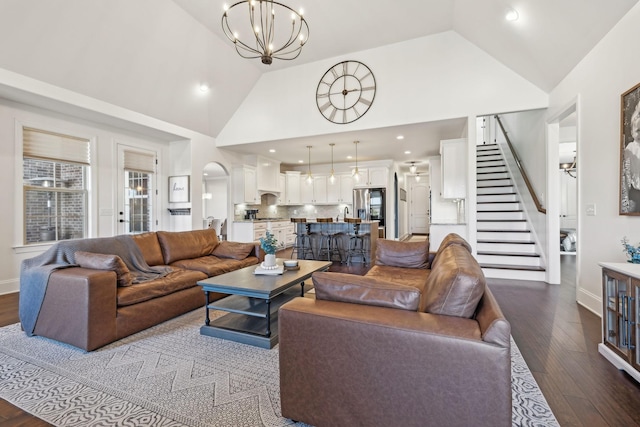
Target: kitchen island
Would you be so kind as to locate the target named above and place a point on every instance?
(343, 232)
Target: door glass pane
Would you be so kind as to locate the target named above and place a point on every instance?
(137, 203)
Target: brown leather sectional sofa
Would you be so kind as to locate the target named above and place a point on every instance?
(89, 307)
(418, 341)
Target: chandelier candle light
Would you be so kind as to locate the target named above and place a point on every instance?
(332, 178)
(356, 173)
(265, 38)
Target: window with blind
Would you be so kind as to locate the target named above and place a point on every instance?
(55, 192)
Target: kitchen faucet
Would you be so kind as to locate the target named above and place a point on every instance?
(346, 211)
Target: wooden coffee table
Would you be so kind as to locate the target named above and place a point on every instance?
(253, 302)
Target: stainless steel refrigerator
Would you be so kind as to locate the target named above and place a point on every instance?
(369, 205)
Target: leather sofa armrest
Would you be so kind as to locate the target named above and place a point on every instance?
(257, 251)
(79, 308)
(349, 364)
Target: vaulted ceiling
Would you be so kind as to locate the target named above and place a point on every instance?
(149, 56)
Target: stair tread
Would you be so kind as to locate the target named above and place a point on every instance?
(523, 254)
(512, 267)
(514, 242)
(497, 201)
(518, 210)
(501, 220)
(494, 186)
(504, 231)
(498, 194)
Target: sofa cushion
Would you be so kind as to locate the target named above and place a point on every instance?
(364, 290)
(150, 247)
(213, 266)
(233, 250)
(177, 245)
(456, 283)
(402, 254)
(175, 281)
(450, 239)
(105, 262)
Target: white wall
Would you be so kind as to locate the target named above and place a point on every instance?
(112, 51)
(597, 82)
(425, 79)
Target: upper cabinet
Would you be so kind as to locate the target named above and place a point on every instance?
(282, 188)
(314, 192)
(453, 154)
(292, 187)
(373, 177)
(244, 184)
(341, 190)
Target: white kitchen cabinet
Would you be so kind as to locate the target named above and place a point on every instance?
(249, 231)
(453, 153)
(292, 187)
(243, 180)
(373, 177)
(314, 192)
(341, 191)
(282, 186)
(282, 230)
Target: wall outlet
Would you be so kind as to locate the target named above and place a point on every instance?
(591, 209)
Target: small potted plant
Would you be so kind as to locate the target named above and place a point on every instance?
(633, 252)
(269, 245)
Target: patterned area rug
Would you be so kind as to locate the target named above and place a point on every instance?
(170, 375)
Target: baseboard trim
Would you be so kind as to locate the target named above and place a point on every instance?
(9, 286)
(590, 301)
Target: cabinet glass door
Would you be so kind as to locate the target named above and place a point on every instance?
(617, 328)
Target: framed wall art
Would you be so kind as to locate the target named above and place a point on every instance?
(179, 189)
(630, 152)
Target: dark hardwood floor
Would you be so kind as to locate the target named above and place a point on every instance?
(557, 338)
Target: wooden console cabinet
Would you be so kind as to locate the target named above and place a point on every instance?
(621, 316)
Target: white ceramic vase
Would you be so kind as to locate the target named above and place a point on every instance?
(269, 260)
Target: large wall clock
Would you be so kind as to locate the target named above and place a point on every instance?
(345, 92)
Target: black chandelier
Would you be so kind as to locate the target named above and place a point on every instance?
(268, 42)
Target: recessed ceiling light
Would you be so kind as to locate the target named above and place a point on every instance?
(349, 157)
(205, 174)
(204, 88)
(272, 150)
(407, 152)
(300, 161)
(512, 15)
(400, 137)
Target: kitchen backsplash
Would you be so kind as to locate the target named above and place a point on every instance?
(302, 211)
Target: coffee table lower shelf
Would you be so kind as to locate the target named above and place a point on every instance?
(246, 320)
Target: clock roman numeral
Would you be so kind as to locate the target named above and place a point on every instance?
(323, 95)
(368, 88)
(325, 106)
(356, 111)
(344, 116)
(345, 65)
(332, 116)
(335, 73)
(365, 101)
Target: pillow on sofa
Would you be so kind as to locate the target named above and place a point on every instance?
(105, 262)
(234, 250)
(402, 254)
(455, 285)
(356, 289)
(450, 239)
(179, 245)
(150, 247)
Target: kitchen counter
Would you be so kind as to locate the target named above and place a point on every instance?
(342, 229)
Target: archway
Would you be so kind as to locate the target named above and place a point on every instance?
(215, 197)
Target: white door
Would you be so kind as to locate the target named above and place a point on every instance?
(137, 190)
(419, 207)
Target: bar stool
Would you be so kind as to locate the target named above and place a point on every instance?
(329, 240)
(357, 241)
(302, 243)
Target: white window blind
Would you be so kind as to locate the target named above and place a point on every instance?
(139, 162)
(39, 144)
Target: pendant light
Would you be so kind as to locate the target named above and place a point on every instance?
(356, 173)
(309, 176)
(417, 176)
(332, 177)
(413, 168)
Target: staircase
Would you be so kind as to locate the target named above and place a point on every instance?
(505, 244)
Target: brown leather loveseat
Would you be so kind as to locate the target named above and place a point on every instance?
(418, 341)
(94, 302)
